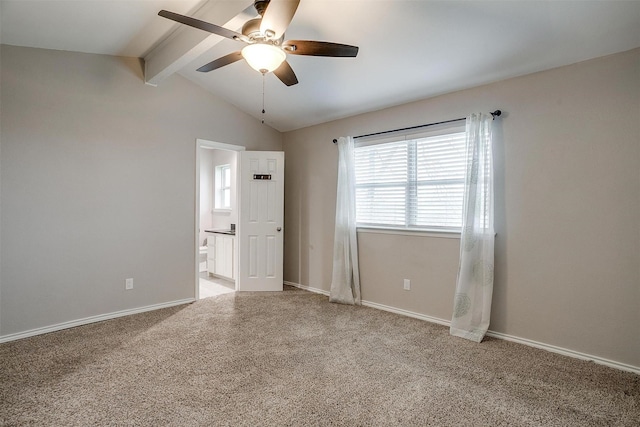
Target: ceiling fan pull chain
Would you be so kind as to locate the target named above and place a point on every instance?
(263, 98)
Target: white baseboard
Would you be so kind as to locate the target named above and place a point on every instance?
(494, 334)
(307, 288)
(406, 313)
(92, 319)
(566, 352)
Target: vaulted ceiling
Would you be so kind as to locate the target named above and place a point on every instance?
(409, 50)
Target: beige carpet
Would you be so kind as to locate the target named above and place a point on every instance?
(292, 358)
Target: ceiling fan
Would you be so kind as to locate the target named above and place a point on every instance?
(265, 50)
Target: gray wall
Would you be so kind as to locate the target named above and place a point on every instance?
(568, 202)
(98, 184)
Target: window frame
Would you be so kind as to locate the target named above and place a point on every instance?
(410, 226)
(221, 186)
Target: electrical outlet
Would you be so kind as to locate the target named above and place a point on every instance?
(128, 284)
(407, 284)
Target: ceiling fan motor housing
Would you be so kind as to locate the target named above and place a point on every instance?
(251, 29)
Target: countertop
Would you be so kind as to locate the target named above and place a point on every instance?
(227, 232)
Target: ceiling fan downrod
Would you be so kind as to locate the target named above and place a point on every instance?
(261, 6)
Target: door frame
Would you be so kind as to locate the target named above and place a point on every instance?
(205, 143)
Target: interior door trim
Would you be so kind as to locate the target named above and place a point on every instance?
(200, 143)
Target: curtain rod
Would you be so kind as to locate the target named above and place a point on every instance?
(495, 114)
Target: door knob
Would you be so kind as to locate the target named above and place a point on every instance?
(279, 229)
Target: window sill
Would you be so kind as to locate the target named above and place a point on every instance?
(441, 234)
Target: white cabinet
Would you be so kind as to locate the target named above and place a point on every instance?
(224, 256)
(220, 255)
(211, 253)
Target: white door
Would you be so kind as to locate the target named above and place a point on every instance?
(260, 220)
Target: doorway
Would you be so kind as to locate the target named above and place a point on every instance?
(216, 216)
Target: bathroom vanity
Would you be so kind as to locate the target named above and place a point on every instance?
(220, 253)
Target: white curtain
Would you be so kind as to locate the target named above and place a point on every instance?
(345, 282)
(472, 305)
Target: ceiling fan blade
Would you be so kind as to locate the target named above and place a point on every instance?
(201, 25)
(286, 75)
(221, 62)
(277, 17)
(315, 48)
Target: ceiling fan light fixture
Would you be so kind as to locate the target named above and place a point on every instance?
(263, 57)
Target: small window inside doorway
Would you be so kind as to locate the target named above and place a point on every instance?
(223, 187)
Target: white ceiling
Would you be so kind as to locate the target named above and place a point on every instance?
(409, 50)
(109, 27)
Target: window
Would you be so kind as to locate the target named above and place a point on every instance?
(411, 182)
(223, 187)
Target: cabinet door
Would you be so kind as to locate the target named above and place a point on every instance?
(211, 254)
(220, 256)
(228, 257)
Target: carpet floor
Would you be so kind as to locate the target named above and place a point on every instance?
(292, 358)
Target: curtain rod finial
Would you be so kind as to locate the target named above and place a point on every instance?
(335, 141)
(496, 113)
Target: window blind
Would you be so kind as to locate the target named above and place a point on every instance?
(414, 183)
